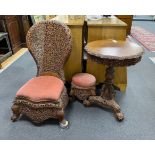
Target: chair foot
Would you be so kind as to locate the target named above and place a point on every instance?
(16, 113)
(119, 116)
(14, 118)
(64, 124)
(86, 103)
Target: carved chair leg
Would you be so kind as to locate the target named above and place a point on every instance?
(62, 121)
(86, 103)
(111, 104)
(16, 113)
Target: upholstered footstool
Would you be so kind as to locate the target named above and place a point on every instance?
(83, 85)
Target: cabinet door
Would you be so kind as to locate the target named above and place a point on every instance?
(14, 32)
(26, 26)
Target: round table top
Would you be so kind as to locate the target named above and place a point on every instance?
(114, 49)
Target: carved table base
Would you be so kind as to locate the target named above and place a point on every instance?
(110, 104)
(106, 100)
(113, 53)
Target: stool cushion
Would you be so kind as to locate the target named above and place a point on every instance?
(42, 88)
(84, 80)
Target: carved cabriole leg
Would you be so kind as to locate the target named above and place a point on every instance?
(111, 104)
(16, 112)
(86, 103)
(62, 121)
(106, 100)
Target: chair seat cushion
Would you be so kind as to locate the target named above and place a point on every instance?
(42, 88)
(83, 80)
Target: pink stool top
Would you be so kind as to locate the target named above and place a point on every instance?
(83, 80)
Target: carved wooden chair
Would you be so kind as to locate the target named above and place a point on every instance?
(45, 96)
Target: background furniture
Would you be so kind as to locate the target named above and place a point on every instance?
(74, 63)
(16, 27)
(45, 96)
(5, 49)
(107, 28)
(112, 53)
(37, 18)
(128, 20)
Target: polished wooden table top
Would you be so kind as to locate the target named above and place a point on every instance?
(110, 21)
(114, 49)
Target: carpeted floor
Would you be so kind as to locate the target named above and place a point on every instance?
(143, 17)
(145, 37)
(137, 104)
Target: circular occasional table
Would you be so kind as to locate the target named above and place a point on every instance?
(112, 53)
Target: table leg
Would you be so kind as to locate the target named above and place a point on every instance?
(107, 96)
(108, 91)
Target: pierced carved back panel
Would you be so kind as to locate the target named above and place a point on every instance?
(49, 42)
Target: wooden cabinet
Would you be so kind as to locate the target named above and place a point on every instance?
(128, 20)
(24, 27)
(74, 63)
(16, 27)
(14, 32)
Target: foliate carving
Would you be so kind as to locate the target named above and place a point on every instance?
(39, 112)
(82, 93)
(115, 62)
(110, 104)
(49, 42)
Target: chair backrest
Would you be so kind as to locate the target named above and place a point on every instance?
(49, 42)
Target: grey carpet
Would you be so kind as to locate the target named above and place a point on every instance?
(143, 17)
(137, 104)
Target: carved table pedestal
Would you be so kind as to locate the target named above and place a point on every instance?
(113, 54)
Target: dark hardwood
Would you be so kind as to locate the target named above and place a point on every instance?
(112, 53)
(5, 48)
(16, 27)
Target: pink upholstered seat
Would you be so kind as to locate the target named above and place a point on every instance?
(83, 80)
(42, 88)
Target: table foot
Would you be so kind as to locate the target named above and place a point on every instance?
(110, 104)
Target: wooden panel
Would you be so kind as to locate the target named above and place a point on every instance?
(98, 33)
(74, 63)
(98, 70)
(124, 16)
(128, 20)
(24, 27)
(14, 32)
